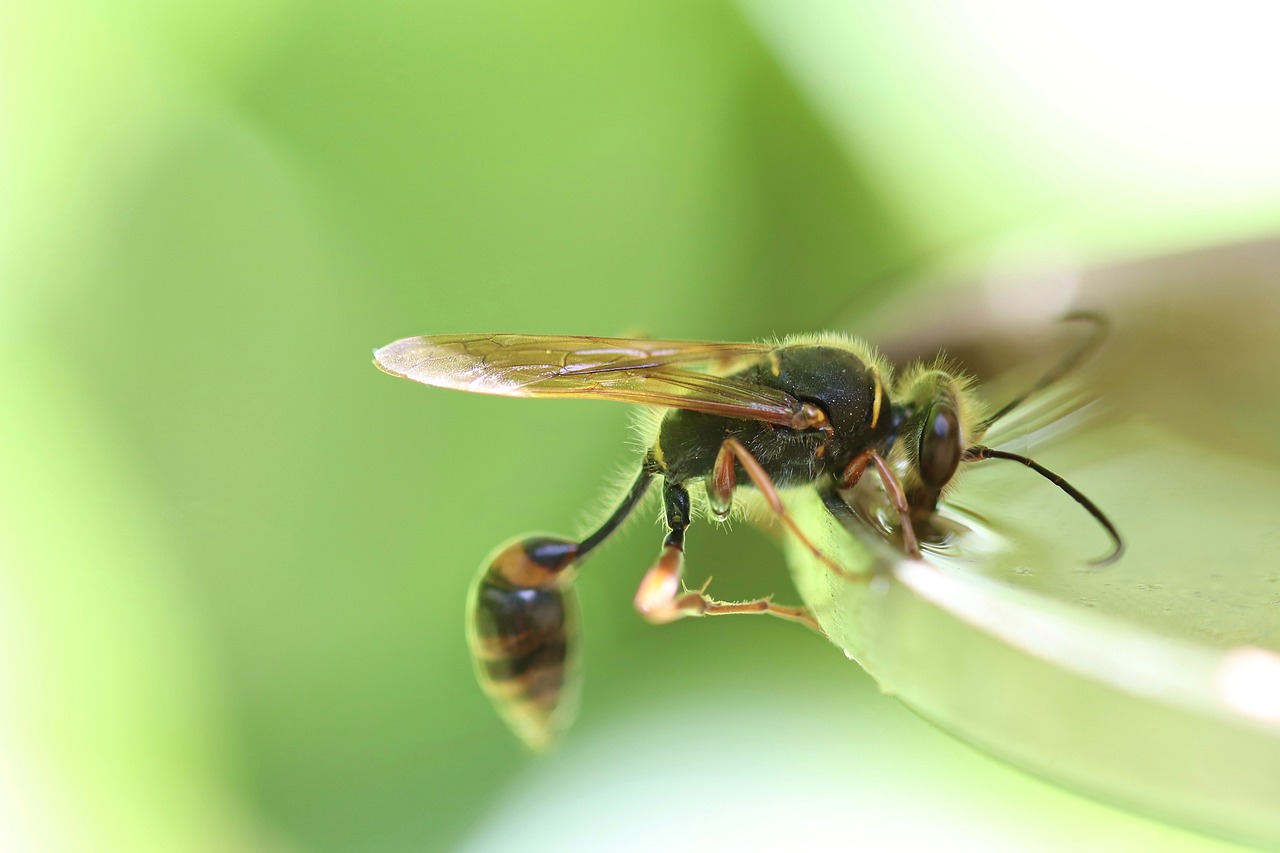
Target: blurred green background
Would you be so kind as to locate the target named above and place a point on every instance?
(233, 556)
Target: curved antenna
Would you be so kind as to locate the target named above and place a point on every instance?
(1072, 360)
(978, 452)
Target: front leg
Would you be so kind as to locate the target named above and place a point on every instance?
(892, 487)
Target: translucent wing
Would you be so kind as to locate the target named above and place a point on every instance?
(635, 371)
(1054, 412)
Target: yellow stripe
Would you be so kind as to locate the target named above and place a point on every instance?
(875, 405)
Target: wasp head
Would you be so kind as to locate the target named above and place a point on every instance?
(938, 419)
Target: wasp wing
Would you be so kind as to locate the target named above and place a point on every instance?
(635, 371)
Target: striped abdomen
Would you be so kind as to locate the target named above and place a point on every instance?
(523, 632)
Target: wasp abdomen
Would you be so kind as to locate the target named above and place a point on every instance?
(524, 637)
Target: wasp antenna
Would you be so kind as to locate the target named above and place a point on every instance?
(978, 452)
(1101, 327)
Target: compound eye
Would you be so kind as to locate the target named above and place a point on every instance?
(940, 449)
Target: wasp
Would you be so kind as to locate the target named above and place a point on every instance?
(764, 417)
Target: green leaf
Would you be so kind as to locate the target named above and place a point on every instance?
(1153, 683)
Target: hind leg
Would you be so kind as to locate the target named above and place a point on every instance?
(662, 596)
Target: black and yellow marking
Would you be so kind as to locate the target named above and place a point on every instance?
(522, 625)
(522, 628)
(878, 400)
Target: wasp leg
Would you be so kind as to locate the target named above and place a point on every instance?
(854, 470)
(732, 450)
(721, 483)
(662, 583)
(893, 488)
(662, 596)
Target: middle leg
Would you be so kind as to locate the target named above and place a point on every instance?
(724, 479)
